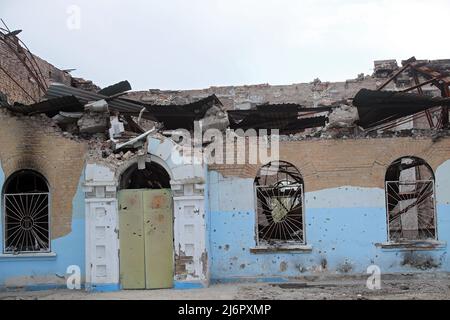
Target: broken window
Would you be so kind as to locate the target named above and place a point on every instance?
(410, 200)
(279, 195)
(26, 213)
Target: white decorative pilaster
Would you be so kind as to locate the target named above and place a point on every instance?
(102, 246)
(188, 186)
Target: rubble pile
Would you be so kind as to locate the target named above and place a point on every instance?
(116, 121)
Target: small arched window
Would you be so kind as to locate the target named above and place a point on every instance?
(280, 204)
(410, 200)
(26, 213)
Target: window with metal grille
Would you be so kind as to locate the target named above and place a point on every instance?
(280, 209)
(26, 213)
(410, 201)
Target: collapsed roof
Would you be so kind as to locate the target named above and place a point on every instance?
(80, 106)
(182, 116)
(50, 107)
(378, 107)
(125, 106)
(423, 73)
(285, 117)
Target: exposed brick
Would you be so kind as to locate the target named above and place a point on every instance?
(25, 144)
(356, 162)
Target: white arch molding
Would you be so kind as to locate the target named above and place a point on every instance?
(102, 244)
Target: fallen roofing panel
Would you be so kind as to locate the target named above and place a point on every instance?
(115, 88)
(289, 107)
(285, 117)
(57, 90)
(284, 124)
(378, 107)
(50, 107)
(182, 116)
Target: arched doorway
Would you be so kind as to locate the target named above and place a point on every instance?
(146, 228)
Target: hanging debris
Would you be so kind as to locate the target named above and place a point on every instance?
(115, 89)
(285, 117)
(183, 116)
(379, 107)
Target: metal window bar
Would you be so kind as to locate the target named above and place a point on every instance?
(280, 214)
(26, 223)
(411, 210)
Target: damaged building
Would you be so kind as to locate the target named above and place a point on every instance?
(95, 178)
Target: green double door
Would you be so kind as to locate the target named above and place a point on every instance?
(146, 238)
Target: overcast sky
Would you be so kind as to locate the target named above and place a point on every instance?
(180, 44)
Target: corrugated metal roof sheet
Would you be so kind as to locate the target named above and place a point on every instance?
(57, 90)
(115, 88)
(378, 107)
(182, 116)
(50, 107)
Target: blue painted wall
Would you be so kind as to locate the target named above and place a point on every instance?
(342, 227)
(47, 272)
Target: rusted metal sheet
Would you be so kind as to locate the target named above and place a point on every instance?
(131, 240)
(158, 226)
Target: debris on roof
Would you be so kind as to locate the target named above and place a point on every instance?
(123, 119)
(384, 68)
(215, 118)
(343, 116)
(93, 122)
(183, 116)
(57, 90)
(285, 117)
(50, 107)
(136, 142)
(390, 110)
(114, 89)
(378, 107)
(80, 83)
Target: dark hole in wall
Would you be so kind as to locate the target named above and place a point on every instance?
(153, 176)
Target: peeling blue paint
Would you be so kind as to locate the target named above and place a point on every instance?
(185, 285)
(33, 273)
(343, 226)
(249, 279)
(103, 287)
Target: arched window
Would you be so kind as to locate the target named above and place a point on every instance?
(26, 213)
(410, 201)
(280, 208)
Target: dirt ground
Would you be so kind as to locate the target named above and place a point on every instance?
(403, 287)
